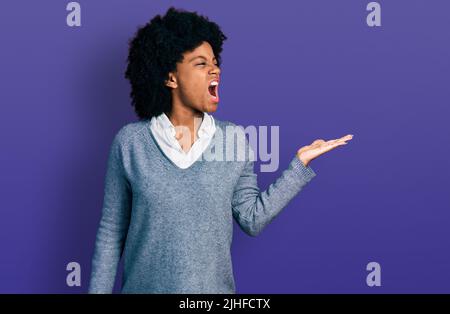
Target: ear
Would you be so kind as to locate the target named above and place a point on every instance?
(171, 81)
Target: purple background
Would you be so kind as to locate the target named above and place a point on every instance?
(312, 67)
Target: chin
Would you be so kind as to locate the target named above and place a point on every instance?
(210, 109)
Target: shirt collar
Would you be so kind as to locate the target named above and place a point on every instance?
(207, 126)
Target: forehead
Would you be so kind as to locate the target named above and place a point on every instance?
(204, 50)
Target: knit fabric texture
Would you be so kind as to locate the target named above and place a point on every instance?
(173, 227)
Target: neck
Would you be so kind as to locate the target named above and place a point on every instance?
(183, 116)
(187, 117)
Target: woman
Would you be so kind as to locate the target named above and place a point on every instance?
(167, 211)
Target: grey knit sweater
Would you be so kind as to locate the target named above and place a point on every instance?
(172, 226)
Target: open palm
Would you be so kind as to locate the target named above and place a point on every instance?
(318, 147)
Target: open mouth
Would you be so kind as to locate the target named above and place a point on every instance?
(213, 90)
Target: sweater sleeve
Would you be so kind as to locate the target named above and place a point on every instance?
(113, 226)
(254, 209)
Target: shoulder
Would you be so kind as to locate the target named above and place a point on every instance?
(130, 132)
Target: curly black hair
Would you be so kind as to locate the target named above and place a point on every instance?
(155, 50)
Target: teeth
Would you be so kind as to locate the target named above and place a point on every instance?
(214, 83)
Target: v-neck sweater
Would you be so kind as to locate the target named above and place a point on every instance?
(164, 132)
(173, 227)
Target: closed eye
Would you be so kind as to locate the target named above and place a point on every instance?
(203, 63)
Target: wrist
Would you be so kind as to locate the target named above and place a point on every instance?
(305, 162)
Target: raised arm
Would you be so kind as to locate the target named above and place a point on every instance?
(253, 209)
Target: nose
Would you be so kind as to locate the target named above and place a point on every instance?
(215, 70)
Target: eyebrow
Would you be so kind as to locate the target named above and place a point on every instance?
(201, 57)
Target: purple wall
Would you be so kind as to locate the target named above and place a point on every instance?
(312, 67)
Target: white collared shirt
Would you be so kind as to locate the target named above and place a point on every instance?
(164, 133)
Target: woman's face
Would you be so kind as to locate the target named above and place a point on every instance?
(195, 82)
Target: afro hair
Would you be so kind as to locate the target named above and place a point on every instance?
(155, 50)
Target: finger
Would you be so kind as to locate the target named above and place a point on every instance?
(341, 142)
(325, 146)
(338, 144)
(331, 142)
(342, 139)
(347, 137)
(333, 145)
